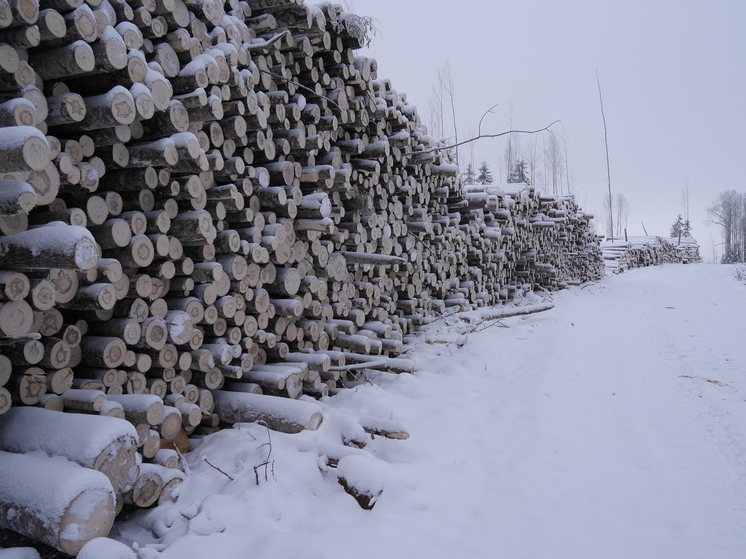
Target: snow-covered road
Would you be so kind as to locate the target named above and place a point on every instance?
(612, 426)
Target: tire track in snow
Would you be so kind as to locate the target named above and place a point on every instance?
(704, 335)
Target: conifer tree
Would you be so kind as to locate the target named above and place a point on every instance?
(485, 176)
(470, 177)
(677, 229)
(518, 173)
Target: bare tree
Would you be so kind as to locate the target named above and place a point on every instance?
(553, 163)
(447, 87)
(685, 199)
(435, 111)
(615, 223)
(608, 166)
(435, 115)
(512, 148)
(564, 136)
(621, 207)
(532, 159)
(470, 148)
(729, 213)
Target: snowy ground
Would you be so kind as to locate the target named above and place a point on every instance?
(612, 426)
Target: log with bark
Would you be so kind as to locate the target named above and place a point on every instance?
(83, 506)
(105, 444)
(280, 414)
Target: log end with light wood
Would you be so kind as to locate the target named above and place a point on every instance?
(83, 506)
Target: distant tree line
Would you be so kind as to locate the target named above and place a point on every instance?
(544, 166)
(729, 213)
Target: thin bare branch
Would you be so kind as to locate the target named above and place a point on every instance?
(206, 461)
(487, 112)
(287, 80)
(482, 136)
(267, 462)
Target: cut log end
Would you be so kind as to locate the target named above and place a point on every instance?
(36, 154)
(90, 515)
(119, 465)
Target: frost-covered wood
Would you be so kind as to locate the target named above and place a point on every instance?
(267, 209)
(16, 318)
(106, 547)
(105, 444)
(280, 414)
(52, 246)
(54, 501)
(637, 252)
(23, 148)
(141, 408)
(16, 197)
(363, 477)
(147, 487)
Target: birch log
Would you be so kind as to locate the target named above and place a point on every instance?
(105, 444)
(52, 246)
(82, 508)
(280, 414)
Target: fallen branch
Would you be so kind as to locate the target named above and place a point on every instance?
(490, 325)
(493, 314)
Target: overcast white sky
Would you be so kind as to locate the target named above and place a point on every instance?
(673, 76)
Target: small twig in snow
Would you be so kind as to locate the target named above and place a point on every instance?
(267, 462)
(493, 323)
(204, 459)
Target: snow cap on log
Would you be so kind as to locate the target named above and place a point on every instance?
(102, 443)
(16, 197)
(280, 414)
(363, 477)
(100, 548)
(55, 245)
(23, 148)
(54, 501)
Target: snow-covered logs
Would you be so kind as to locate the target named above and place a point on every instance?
(280, 414)
(223, 196)
(105, 444)
(54, 501)
(638, 252)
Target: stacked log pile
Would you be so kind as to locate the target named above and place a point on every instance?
(688, 249)
(206, 206)
(638, 252)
